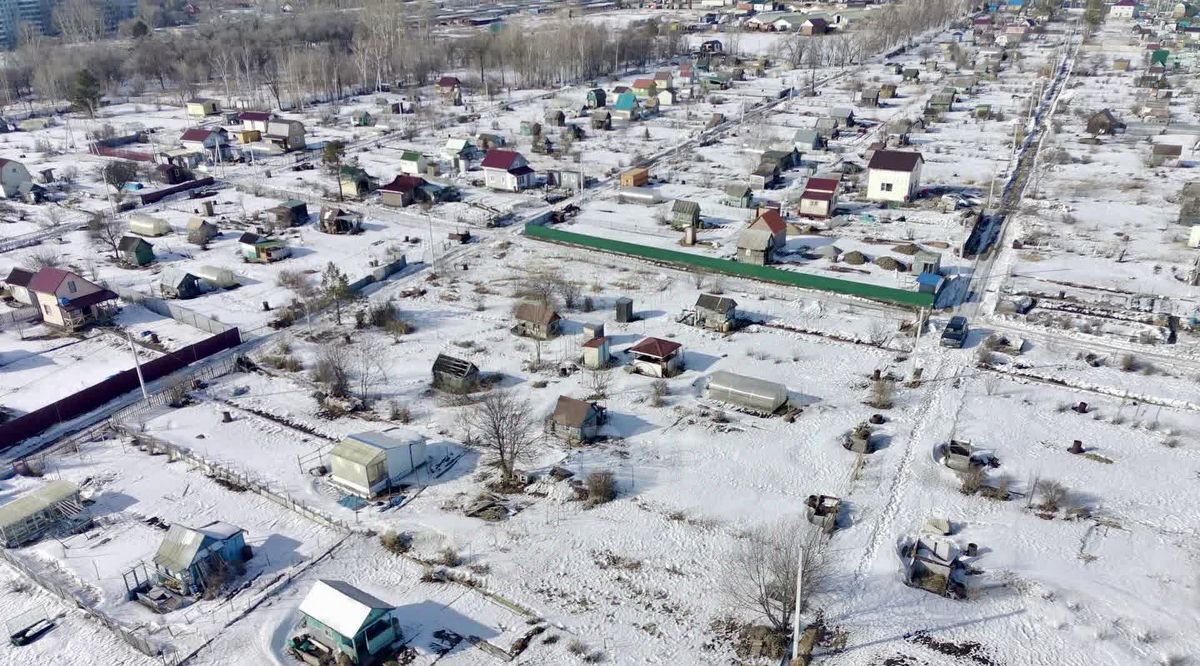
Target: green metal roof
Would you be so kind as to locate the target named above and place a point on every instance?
(357, 452)
(35, 502)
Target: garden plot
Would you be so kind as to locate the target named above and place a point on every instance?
(1041, 569)
(43, 368)
(1101, 223)
(128, 488)
(434, 617)
(75, 640)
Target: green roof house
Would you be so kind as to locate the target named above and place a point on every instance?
(412, 163)
(626, 106)
(135, 250)
(341, 619)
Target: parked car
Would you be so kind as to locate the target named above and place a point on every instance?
(955, 333)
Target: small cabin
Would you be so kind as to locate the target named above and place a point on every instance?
(191, 560)
(536, 320)
(135, 250)
(369, 464)
(656, 357)
(262, 250)
(575, 421)
(454, 375)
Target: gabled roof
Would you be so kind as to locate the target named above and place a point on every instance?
(448, 82)
(595, 342)
(806, 136)
(686, 207)
(773, 221)
(818, 22)
(737, 190)
(411, 156)
(250, 238)
(715, 303)
(536, 313)
(817, 195)
(821, 185)
(895, 160)
(403, 184)
(662, 75)
(626, 101)
(754, 239)
(131, 243)
(340, 606)
(197, 134)
(181, 546)
(655, 347)
(174, 277)
(571, 412)
(642, 84)
(19, 277)
(47, 280)
(500, 159)
(254, 116)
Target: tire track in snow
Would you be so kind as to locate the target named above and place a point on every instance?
(900, 479)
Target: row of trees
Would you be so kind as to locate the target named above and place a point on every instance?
(322, 55)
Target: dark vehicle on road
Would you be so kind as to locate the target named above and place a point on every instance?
(955, 333)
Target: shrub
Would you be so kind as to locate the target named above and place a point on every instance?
(449, 557)
(658, 391)
(601, 487)
(399, 413)
(396, 542)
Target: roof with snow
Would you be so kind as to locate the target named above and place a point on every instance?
(340, 606)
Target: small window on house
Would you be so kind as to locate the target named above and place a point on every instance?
(46, 308)
(71, 286)
(886, 187)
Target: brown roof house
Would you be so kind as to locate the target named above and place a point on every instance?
(657, 357)
(536, 320)
(1165, 154)
(819, 198)
(1104, 122)
(575, 421)
(18, 285)
(759, 241)
(894, 175)
(68, 301)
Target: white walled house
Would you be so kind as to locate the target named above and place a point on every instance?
(507, 170)
(894, 175)
(15, 180)
(1125, 9)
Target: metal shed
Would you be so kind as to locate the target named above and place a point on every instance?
(749, 393)
(30, 516)
(367, 463)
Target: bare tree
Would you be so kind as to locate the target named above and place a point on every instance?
(107, 232)
(332, 370)
(599, 382)
(506, 426)
(369, 370)
(762, 573)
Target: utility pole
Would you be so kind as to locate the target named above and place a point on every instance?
(138, 365)
(796, 610)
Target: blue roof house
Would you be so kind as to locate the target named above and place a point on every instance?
(190, 560)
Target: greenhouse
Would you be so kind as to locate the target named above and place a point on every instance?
(748, 393)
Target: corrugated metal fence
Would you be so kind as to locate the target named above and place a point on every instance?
(90, 398)
(696, 262)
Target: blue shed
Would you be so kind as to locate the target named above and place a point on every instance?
(930, 283)
(190, 559)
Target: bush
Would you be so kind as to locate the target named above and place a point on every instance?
(399, 413)
(601, 488)
(1053, 494)
(396, 542)
(658, 390)
(448, 557)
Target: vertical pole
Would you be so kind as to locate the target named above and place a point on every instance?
(796, 611)
(138, 365)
